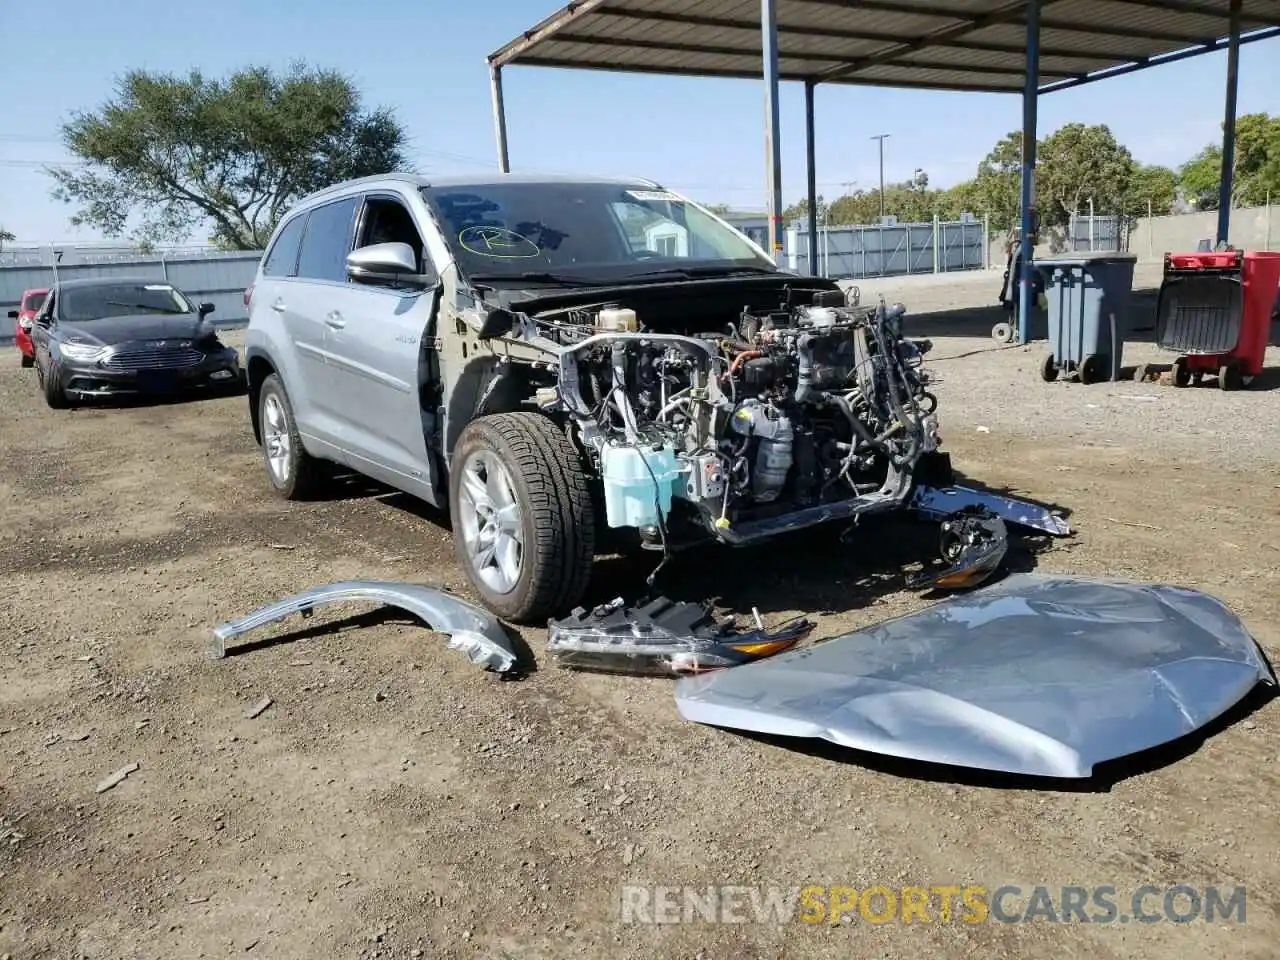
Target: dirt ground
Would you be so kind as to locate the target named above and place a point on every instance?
(396, 801)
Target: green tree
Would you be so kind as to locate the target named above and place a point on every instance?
(6, 237)
(798, 211)
(1151, 188)
(1080, 163)
(997, 187)
(175, 152)
(1200, 178)
(962, 198)
(1257, 161)
(861, 206)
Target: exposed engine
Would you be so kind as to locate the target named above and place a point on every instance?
(779, 413)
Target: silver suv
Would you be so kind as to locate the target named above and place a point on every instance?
(553, 359)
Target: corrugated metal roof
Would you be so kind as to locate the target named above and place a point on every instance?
(937, 44)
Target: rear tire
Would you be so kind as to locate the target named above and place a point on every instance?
(294, 473)
(537, 469)
(1229, 377)
(28, 362)
(1003, 333)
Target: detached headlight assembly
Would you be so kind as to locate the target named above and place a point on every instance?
(84, 352)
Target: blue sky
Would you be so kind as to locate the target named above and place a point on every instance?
(701, 136)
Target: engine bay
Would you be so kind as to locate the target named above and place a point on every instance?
(782, 417)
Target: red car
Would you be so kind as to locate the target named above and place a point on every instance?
(24, 315)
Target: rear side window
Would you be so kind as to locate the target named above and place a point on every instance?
(282, 258)
(328, 241)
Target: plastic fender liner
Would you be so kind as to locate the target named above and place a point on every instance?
(472, 631)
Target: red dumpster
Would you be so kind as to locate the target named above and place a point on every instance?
(1215, 309)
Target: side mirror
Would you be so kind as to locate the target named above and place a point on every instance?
(497, 321)
(205, 309)
(13, 314)
(385, 262)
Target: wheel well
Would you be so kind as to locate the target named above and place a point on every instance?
(258, 370)
(485, 387)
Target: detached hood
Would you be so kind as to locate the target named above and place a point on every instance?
(143, 326)
(1036, 675)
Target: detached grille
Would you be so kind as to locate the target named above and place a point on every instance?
(154, 356)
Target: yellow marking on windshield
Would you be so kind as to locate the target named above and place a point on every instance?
(498, 243)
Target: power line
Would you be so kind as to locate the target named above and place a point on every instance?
(40, 164)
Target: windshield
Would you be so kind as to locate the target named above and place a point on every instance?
(594, 232)
(79, 304)
(33, 300)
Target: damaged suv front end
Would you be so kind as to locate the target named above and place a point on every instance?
(782, 419)
(707, 394)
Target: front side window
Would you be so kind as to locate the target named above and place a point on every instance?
(327, 241)
(595, 231)
(387, 220)
(82, 304)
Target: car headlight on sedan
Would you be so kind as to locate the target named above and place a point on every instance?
(83, 352)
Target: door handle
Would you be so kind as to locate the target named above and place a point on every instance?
(334, 319)
(278, 306)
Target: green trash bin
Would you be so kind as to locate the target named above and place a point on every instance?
(1089, 320)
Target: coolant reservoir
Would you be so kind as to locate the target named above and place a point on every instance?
(617, 320)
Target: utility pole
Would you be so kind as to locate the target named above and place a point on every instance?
(881, 137)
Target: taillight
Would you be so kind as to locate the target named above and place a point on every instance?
(248, 296)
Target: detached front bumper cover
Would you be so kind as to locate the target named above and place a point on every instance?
(662, 636)
(472, 631)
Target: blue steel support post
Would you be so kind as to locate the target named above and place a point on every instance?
(1229, 126)
(1030, 96)
(772, 139)
(811, 174)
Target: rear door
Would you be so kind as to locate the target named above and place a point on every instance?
(379, 356)
(297, 339)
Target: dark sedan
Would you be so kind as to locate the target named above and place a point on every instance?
(108, 338)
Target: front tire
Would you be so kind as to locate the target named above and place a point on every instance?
(28, 362)
(54, 395)
(523, 520)
(294, 473)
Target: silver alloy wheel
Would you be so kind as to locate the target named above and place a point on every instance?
(275, 438)
(491, 521)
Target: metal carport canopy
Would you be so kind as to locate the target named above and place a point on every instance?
(992, 46)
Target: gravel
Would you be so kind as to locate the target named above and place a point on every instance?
(983, 383)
